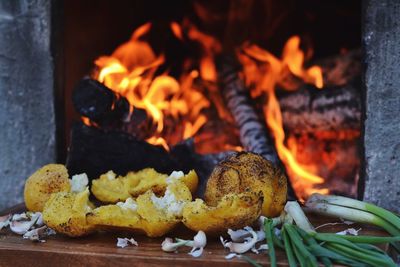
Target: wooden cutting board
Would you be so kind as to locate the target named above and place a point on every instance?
(100, 249)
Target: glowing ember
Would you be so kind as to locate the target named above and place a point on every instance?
(303, 178)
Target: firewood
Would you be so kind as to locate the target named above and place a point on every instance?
(96, 151)
(95, 101)
(108, 109)
(253, 133)
(310, 110)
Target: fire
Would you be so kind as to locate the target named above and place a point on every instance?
(275, 71)
(177, 108)
(131, 72)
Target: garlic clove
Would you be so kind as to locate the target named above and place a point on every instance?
(21, 227)
(124, 242)
(168, 245)
(5, 221)
(38, 218)
(231, 256)
(263, 247)
(243, 247)
(36, 234)
(200, 240)
(238, 235)
(196, 252)
(19, 217)
(349, 231)
(133, 242)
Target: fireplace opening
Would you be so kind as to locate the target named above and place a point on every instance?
(198, 80)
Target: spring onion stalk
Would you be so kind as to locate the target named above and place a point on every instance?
(319, 251)
(357, 204)
(277, 241)
(333, 240)
(362, 257)
(268, 228)
(352, 215)
(300, 258)
(336, 257)
(288, 249)
(294, 210)
(370, 247)
(298, 243)
(361, 238)
(311, 241)
(337, 239)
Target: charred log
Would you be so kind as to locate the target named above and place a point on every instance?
(253, 134)
(97, 151)
(95, 101)
(340, 70)
(108, 109)
(310, 110)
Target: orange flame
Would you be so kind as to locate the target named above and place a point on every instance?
(130, 71)
(303, 178)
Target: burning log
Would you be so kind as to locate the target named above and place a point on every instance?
(253, 134)
(108, 109)
(310, 110)
(95, 101)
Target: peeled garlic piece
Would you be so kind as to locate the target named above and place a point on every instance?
(242, 247)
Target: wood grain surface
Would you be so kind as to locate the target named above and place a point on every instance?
(100, 249)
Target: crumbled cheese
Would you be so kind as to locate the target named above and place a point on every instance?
(79, 182)
(169, 203)
(175, 176)
(176, 208)
(110, 175)
(129, 204)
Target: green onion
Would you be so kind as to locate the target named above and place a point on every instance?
(277, 241)
(288, 249)
(333, 239)
(268, 229)
(319, 251)
(293, 209)
(370, 247)
(353, 215)
(300, 258)
(357, 204)
(298, 243)
(311, 241)
(360, 238)
(361, 256)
